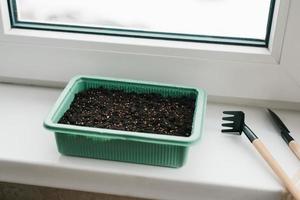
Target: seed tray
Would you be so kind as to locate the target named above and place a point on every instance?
(135, 147)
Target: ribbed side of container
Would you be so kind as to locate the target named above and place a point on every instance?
(122, 150)
(139, 88)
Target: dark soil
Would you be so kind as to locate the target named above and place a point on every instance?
(116, 109)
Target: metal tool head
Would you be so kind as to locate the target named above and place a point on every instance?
(281, 126)
(236, 122)
(278, 122)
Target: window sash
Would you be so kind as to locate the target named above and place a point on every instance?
(16, 23)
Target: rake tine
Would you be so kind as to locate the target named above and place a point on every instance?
(228, 124)
(229, 112)
(228, 118)
(227, 130)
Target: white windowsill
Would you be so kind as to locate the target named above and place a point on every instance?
(219, 167)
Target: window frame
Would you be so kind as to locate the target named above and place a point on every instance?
(210, 66)
(191, 50)
(16, 23)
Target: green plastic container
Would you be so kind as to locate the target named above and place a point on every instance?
(137, 147)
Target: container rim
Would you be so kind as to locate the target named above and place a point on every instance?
(128, 135)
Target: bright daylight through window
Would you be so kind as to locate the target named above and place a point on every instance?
(245, 22)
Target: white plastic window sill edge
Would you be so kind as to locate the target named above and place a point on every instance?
(153, 47)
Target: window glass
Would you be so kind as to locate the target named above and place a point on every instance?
(227, 21)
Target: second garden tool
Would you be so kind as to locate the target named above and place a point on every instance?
(237, 126)
(285, 134)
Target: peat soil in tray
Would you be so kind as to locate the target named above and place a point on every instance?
(130, 111)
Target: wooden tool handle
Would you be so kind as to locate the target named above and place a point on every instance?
(295, 147)
(264, 152)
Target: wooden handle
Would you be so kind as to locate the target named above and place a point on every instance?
(295, 147)
(264, 152)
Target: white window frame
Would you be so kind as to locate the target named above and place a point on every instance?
(37, 56)
(195, 50)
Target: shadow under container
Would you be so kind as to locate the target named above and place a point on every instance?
(126, 146)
